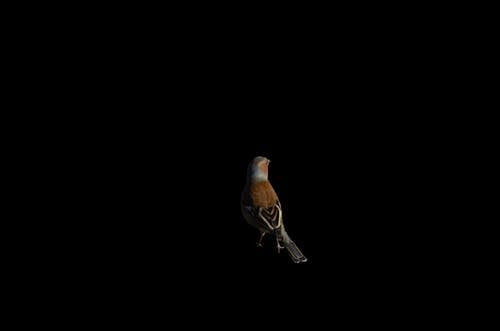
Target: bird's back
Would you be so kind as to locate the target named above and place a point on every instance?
(263, 194)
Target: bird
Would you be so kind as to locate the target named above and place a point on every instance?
(261, 208)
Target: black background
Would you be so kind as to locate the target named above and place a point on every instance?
(158, 214)
(160, 136)
(163, 169)
(139, 136)
(164, 195)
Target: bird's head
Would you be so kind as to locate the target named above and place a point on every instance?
(258, 169)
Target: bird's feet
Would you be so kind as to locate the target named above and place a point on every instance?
(279, 247)
(259, 242)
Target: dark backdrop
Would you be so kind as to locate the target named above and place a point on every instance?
(149, 136)
(168, 189)
(162, 153)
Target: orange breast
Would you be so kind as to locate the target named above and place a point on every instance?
(263, 194)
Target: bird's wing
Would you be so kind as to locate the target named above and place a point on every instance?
(269, 218)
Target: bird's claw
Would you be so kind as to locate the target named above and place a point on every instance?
(259, 244)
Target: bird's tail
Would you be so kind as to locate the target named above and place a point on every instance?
(294, 252)
(292, 249)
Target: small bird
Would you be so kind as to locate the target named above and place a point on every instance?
(261, 208)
